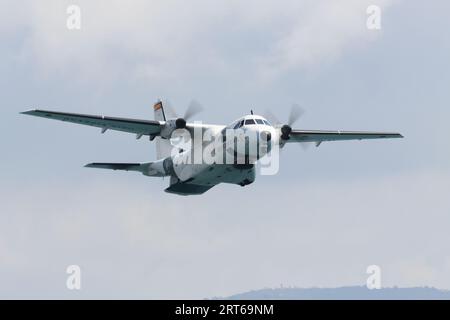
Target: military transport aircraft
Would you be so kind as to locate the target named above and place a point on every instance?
(192, 178)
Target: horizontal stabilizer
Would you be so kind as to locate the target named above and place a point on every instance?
(116, 166)
(145, 168)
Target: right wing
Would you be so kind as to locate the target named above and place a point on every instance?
(319, 136)
(138, 127)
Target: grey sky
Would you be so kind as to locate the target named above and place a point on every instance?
(327, 215)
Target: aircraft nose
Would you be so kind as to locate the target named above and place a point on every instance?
(265, 136)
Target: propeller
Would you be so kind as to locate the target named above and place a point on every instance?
(192, 110)
(169, 110)
(295, 114)
(272, 118)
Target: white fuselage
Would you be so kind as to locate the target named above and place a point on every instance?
(248, 131)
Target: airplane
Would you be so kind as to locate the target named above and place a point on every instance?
(188, 178)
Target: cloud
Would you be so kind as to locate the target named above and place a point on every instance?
(320, 228)
(136, 242)
(322, 32)
(166, 40)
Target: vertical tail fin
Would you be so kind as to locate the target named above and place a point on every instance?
(159, 111)
(163, 146)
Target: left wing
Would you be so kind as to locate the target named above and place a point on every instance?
(319, 136)
(139, 127)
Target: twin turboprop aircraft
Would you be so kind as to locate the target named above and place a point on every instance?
(241, 144)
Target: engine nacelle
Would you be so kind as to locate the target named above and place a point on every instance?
(163, 167)
(170, 126)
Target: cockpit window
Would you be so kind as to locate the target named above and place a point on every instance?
(239, 124)
(259, 121)
(249, 121)
(267, 122)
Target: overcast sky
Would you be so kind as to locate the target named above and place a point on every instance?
(328, 214)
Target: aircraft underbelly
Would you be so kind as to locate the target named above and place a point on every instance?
(224, 173)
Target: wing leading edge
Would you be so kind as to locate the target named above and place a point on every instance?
(319, 136)
(138, 127)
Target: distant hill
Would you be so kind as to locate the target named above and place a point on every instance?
(345, 293)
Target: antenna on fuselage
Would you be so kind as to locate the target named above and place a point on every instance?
(251, 111)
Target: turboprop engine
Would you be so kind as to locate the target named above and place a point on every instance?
(171, 125)
(160, 168)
